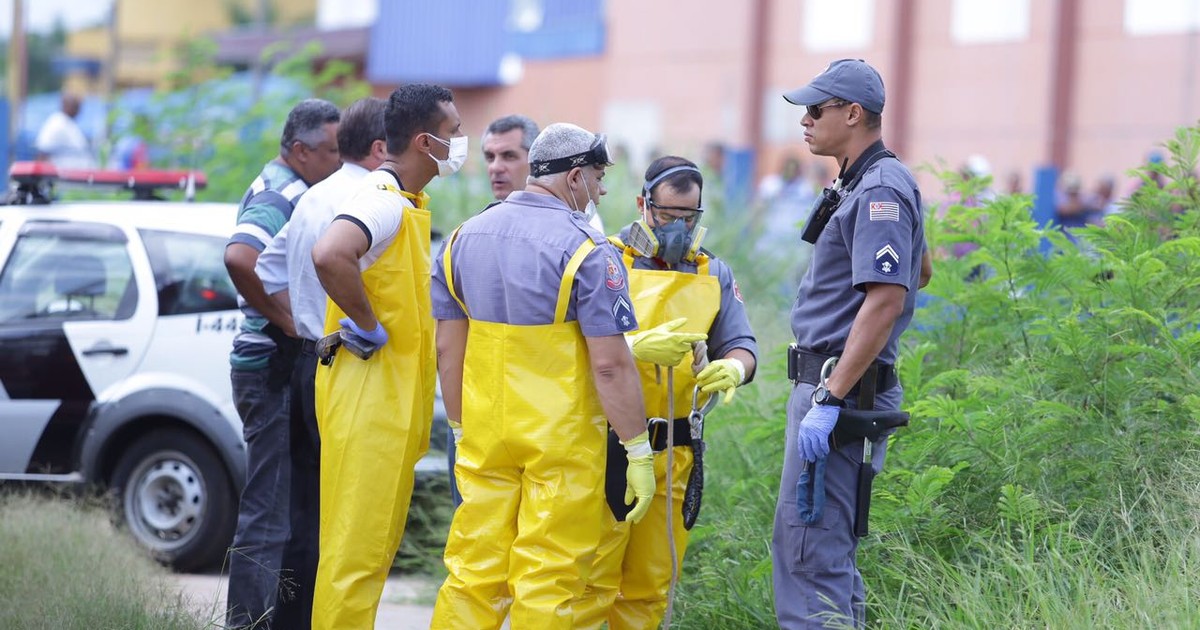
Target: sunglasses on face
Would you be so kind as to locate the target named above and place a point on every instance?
(814, 111)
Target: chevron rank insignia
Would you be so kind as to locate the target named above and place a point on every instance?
(887, 262)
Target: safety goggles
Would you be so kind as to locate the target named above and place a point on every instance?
(814, 111)
(689, 216)
(597, 154)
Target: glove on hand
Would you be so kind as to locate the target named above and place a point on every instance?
(378, 336)
(661, 346)
(639, 475)
(721, 375)
(456, 429)
(813, 438)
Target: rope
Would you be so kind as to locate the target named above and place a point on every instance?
(670, 496)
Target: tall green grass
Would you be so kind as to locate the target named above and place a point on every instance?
(64, 567)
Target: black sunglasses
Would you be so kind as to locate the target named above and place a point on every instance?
(814, 111)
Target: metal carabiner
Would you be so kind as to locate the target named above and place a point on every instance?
(696, 417)
(827, 369)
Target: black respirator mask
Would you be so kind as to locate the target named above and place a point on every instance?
(673, 242)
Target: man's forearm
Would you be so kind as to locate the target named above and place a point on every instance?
(342, 281)
(620, 390)
(451, 340)
(250, 287)
(870, 332)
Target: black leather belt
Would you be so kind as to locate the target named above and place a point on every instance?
(805, 367)
(309, 346)
(658, 434)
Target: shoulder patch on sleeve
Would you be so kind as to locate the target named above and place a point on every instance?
(737, 292)
(613, 278)
(887, 262)
(623, 314)
(885, 210)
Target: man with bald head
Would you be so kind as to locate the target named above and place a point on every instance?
(60, 139)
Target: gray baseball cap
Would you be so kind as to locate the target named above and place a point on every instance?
(851, 80)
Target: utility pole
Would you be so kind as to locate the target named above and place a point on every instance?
(17, 68)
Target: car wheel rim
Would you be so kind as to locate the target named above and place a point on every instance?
(166, 500)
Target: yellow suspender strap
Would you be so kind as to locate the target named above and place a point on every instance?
(449, 269)
(568, 280)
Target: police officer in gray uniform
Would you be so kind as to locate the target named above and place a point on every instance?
(854, 302)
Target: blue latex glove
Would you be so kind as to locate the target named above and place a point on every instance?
(813, 438)
(810, 492)
(378, 336)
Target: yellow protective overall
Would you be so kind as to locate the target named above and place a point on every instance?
(374, 419)
(632, 573)
(531, 472)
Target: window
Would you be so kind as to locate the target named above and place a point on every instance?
(989, 21)
(831, 25)
(58, 273)
(189, 272)
(1143, 17)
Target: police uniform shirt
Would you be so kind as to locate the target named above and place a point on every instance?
(508, 264)
(731, 328)
(876, 235)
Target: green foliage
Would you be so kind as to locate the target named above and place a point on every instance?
(222, 128)
(1045, 479)
(429, 515)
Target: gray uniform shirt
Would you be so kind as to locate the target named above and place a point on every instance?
(508, 264)
(731, 328)
(876, 235)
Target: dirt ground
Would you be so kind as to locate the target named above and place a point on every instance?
(407, 602)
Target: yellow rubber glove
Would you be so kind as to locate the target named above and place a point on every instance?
(662, 346)
(456, 429)
(639, 475)
(721, 375)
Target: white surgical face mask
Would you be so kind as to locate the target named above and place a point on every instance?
(456, 158)
(589, 210)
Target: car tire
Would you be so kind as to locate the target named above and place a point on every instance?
(176, 498)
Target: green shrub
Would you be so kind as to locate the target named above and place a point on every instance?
(1043, 481)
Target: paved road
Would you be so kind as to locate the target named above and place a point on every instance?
(407, 602)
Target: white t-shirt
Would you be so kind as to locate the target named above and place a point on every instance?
(62, 139)
(379, 212)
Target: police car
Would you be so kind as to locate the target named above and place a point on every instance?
(116, 320)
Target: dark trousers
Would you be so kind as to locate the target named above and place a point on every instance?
(294, 608)
(262, 528)
(814, 568)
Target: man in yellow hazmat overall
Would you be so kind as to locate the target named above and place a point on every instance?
(375, 391)
(670, 278)
(532, 308)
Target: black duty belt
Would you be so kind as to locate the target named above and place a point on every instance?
(805, 367)
(308, 346)
(658, 434)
